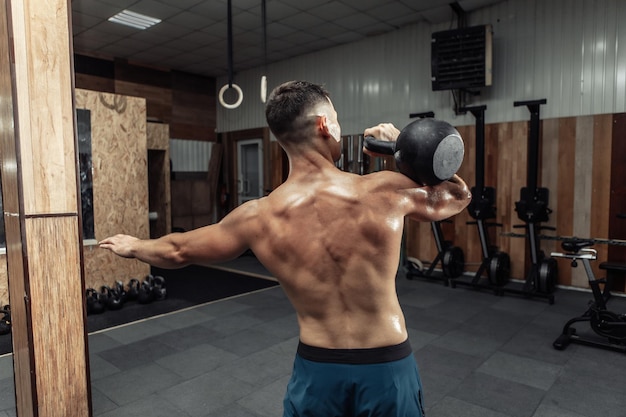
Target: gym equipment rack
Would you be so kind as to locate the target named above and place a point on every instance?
(532, 209)
(495, 264)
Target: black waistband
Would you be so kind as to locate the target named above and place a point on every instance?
(355, 356)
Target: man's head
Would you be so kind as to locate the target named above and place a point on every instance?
(296, 108)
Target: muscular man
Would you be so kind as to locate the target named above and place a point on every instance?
(332, 239)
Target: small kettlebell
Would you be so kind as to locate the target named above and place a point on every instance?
(5, 321)
(429, 151)
(112, 298)
(94, 302)
(119, 288)
(133, 289)
(158, 288)
(146, 294)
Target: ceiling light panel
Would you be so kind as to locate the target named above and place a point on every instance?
(135, 20)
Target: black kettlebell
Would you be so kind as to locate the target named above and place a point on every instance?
(94, 301)
(111, 297)
(119, 287)
(5, 321)
(133, 289)
(146, 294)
(158, 287)
(429, 151)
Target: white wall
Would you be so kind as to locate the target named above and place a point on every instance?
(571, 52)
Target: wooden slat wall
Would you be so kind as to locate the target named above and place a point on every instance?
(617, 179)
(574, 161)
(184, 101)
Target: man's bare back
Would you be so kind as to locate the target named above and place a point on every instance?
(336, 257)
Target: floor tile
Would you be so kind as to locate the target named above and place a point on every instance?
(531, 372)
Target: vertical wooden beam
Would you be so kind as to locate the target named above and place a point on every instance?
(40, 194)
(617, 201)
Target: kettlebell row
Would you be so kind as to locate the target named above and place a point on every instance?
(152, 288)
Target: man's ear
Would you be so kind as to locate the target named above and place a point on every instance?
(322, 125)
(328, 128)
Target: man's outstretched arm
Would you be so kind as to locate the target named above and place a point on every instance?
(204, 246)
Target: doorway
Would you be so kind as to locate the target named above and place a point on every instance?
(249, 170)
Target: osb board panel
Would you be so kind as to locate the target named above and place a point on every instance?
(158, 136)
(120, 180)
(55, 296)
(44, 105)
(4, 283)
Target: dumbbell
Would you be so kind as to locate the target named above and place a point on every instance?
(429, 151)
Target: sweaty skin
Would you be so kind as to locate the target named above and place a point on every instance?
(331, 238)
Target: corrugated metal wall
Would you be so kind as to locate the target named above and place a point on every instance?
(572, 52)
(190, 155)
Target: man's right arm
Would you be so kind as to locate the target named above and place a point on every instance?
(203, 246)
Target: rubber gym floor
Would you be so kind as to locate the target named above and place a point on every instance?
(479, 355)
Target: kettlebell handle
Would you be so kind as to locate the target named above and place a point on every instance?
(383, 147)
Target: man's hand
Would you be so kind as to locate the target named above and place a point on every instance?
(383, 131)
(121, 245)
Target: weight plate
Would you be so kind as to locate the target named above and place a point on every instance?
(548, 273)
(499, 269)
(453, 262)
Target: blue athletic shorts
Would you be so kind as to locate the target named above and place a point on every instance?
(381, 382)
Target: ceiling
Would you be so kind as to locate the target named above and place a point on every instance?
(193, 34)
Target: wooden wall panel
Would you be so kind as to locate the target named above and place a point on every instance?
(582, 163)
(563, 194)
(462, 234)
(92, 82)
(158, 99)
(159, 189)
(617, 224)
(193, 107)
(186, 102)
(600, 192)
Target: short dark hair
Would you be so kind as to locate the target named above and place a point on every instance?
(289, 101)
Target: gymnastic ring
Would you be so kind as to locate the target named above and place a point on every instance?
(239, 97)
(263, 89)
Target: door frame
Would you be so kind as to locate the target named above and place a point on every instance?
(231, 140)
